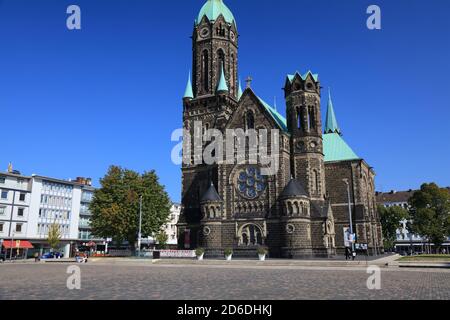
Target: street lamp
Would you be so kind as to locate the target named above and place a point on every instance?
(349, 211)
(140, 227)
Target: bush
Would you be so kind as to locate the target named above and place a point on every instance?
(262, 251)
(199, 252)
(228, 252)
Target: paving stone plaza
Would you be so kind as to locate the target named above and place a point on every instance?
(147, 281)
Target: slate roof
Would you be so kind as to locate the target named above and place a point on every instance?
(211, 195)
(293, 189)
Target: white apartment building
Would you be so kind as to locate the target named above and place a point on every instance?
(171, 227)
(407, 242)
(30, 205)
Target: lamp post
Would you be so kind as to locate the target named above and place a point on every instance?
(140, 227)
(350, 211)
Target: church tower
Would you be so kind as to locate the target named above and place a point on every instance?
(302, 94)
(215, 45)
(210, 98)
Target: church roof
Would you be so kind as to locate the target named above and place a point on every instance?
(334, 146)
(212, 9)
(314, 75)
(189, 93)
(336, 149)
(211, 195)
(279, 119)
(293, 189)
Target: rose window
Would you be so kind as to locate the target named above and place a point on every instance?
(251, 184)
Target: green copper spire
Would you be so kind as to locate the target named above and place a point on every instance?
(331, 122)
(222, 87)
(188, 94)
(212, 9)
(239, 90)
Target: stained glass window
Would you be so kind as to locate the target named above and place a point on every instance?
(251, 183)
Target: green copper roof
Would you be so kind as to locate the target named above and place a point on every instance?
(336, 149)
(331, 122)
(188, 93)
(213, 9)
(279, 119)
(222, 82)
(239, 91)
(314, 75)
(334, 146)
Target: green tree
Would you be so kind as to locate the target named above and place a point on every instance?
(430, 213)
(162, 239)
(391, 219)
(115, 206)
(54, 236)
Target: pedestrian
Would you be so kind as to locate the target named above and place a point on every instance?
(36, 257)
(347, 253)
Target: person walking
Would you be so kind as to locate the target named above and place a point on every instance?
(347, 253)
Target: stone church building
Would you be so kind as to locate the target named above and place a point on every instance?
(300, 211)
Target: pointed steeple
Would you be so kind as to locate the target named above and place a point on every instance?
(222, 87)
(188, 94)
(211, 195)
(239, 90)
(331, 122)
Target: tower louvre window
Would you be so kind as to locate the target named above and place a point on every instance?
(205, 70)
(311, 118)
(233, 73)
(299, 118)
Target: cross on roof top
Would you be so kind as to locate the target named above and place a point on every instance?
(249, 81)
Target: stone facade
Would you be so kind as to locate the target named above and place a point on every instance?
(299, 211)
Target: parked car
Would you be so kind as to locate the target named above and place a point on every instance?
(52, 255)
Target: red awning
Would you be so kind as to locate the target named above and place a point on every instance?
(17, 244)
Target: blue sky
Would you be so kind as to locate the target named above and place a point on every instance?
(74, 102)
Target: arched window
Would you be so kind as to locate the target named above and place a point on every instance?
(311, 118)
(233, 73)
(249, 121)
(250, 235)
(315, 181)
(220, 62)
(205, 70)
(299, 118)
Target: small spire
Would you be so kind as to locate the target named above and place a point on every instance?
(275, 102)
(10, 168)
(222, 87)
(188, 94)
(331, 122)
(239, 90)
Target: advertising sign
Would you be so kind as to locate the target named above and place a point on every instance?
(349, 238)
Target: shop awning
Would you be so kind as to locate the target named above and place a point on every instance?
(17, 244)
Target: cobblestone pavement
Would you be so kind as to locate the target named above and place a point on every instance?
(160, 282)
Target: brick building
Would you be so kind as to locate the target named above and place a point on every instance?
(301, 210)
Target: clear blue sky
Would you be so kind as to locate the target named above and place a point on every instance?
(74, 102)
